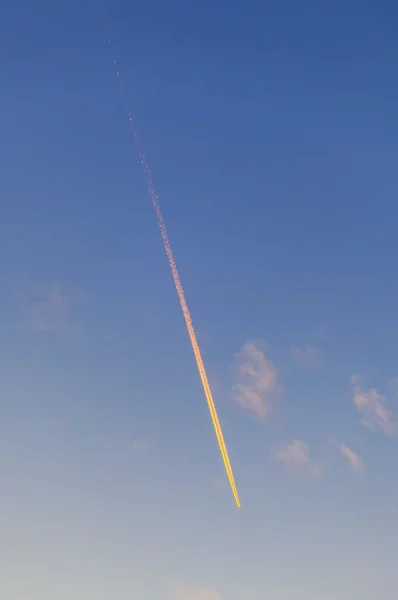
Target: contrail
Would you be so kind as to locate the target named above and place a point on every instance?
(181, 295)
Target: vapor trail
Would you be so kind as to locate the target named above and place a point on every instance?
(180, 292)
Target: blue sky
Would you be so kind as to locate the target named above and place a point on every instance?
(270, 130)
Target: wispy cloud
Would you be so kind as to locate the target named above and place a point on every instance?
(204, 338)
(182, 592)
(372, 407)
(393, 384)
(352, 458)
(257, 381)
(355, 461)
(141, 444)
(220, 483)
(320, 334)
(296, 457)
(47, 308)
(306, 356)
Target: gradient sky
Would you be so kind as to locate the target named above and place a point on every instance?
(271, 132)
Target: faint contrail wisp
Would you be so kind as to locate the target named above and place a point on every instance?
(180, 292)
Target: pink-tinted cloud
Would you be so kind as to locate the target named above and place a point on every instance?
(353, 459)
(371, 406)
(257, 381)
(296, 457)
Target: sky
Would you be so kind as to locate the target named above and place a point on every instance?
(270, 129)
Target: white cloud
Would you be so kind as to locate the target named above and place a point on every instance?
(307, 356)
(372, 407)
(296, 457)
(257, 381)
(47, 308)
(181, 592)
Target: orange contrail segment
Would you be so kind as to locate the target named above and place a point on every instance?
(181, 296)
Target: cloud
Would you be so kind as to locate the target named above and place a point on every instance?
(393, 384)
(307, 356)
(219, 483)
(372, 408)
(320, 334)
(141, 444)
(181, 592)
(47, 308)
(296, 457)
(351, 457)
(204, 338)
(257, 381)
